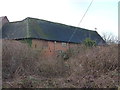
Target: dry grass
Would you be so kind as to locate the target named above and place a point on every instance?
(95, 67)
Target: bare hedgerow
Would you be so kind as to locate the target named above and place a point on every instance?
(17, 59)
(95, 67)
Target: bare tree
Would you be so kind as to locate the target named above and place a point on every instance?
(110, 38)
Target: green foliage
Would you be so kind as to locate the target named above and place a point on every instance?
(28, 41)
(65, 56)
(89, 43)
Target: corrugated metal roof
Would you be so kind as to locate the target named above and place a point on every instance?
(42, 29)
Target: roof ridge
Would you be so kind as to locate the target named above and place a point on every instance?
(28, 18)
(48, 21)
(58, 23)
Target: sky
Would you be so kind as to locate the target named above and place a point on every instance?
(103, 14)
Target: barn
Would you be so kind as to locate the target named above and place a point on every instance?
(46, 35)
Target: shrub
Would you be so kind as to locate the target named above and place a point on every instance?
(89, 43)
(28, 41)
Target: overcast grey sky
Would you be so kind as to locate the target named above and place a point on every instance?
(103, 14)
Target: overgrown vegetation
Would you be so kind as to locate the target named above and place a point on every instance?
(89, 43)
(95, 67)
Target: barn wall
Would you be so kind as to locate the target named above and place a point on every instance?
(39, 44)
(51, 47)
